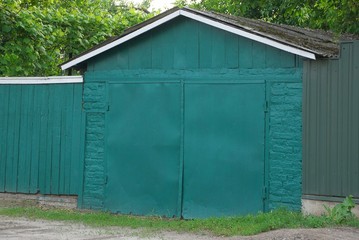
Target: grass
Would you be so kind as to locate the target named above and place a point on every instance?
(226, 226)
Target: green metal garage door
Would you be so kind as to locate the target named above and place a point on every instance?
(223, 149)
(191, 150)
(143, 148)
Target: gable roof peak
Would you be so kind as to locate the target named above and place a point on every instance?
(303, 42)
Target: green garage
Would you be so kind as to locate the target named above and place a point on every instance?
(194, 114)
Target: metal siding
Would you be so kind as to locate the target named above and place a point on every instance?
(333, 128)
(322, 110)
(331, 125)
(353, 121)
(344, 69)
(355, 108)
(306, 126)
(37, 133)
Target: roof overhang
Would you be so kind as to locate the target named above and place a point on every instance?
(199, 18)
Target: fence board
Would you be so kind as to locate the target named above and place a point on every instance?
(77, 140)
(35, 142)
(4, 104)
(43, 138)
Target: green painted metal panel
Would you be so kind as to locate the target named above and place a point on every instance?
(37, 133)
(143, 148)
(331, 125)
(223, 149)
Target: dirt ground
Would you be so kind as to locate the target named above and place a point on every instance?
(22, 228)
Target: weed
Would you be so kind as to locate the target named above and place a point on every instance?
(341, 212)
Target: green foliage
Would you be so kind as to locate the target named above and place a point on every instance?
(341, 212)
(225, 226)
(37, 35)
(341, 16)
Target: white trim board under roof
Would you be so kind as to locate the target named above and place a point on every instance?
(195, 15)
(41, 80)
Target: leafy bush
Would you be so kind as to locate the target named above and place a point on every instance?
(37, 36)
(342, 211)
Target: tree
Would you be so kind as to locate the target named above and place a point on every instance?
(37, 35)
(341, 16)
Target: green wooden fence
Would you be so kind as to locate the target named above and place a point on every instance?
(42, 131)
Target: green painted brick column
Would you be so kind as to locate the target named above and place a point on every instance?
(94, 169)
(285, 145)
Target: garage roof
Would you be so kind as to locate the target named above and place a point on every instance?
(303, 42)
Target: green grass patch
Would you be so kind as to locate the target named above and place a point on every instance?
(226, 226)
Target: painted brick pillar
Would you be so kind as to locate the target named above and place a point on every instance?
(285, 145)
(94, 170)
